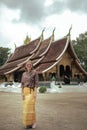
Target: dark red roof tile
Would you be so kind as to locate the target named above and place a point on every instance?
(24, 50)
(44, 45)
(44, 66)
(12, 64)
(55, 50)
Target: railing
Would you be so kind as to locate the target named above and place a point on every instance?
(73, 81)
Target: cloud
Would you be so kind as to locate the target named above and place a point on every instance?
(35, 11)
(77, 5)
(59, 6)
(17, 17)
(31, 11)
(3, 40)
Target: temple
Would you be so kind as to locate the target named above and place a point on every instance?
(52, 59)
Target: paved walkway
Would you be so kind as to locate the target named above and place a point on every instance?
(65, 111)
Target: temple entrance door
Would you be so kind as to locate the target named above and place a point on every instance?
(17, 76)
(67, 75)
(61, 70)
(68, 71)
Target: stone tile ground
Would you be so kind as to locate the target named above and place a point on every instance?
(64, 111)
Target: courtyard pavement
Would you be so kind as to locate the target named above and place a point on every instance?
(59, 111)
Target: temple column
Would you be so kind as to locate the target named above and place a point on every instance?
(44, 76)
(57, 72)
(10, 77)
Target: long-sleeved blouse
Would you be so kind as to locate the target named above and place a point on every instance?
(29, 79)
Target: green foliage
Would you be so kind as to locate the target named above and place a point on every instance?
(42, 89)
(4, 53)
(80, 46)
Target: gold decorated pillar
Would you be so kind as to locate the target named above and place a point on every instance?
(10, 77)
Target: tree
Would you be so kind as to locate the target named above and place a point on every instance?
(80, 46)
(4, 53)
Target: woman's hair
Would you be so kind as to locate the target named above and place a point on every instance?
(28, 62)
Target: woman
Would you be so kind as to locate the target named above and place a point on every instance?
(29, 84)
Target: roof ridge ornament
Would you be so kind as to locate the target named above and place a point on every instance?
(27, 39)
(42, 33)
(53, 34)
(69, 33)
(15, 45)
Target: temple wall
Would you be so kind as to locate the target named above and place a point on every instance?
(65, 61)
(75, 71)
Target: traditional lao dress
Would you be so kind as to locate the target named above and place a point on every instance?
(28, 83)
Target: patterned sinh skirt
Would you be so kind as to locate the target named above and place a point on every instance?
(29, 115)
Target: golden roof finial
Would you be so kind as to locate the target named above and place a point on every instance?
(27, 39)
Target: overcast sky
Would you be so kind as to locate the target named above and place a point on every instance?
(21, 17)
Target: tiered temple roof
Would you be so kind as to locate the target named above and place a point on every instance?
(45, 54)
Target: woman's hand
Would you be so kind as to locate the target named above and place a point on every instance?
(23, 97)
(35, 95)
